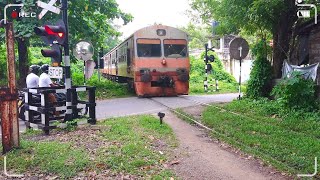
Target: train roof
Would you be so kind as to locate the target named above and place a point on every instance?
(174, 33)
(151, 31)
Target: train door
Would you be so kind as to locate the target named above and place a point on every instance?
(128, 61)
(109, 64)
(116, 63)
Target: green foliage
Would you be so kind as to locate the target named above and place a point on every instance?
(227, 82)
(250, 15)
(71, 125)
(197, 35)
(259, 84)
(218, 72)
(92, 21)
(3, 65)
(104, 88)
(36, 57)
(296, 93)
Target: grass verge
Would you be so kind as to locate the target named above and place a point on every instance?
(136, 147)
(139, 147)
(224, 87)
(47, 157)
(289, 144)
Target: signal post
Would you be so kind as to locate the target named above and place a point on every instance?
(66, 58)
(208, 66)
(58, 36)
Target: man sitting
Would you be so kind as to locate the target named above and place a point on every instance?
(45, 81)
(32, 79)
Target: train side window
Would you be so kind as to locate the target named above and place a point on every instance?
(175, 48)
(128, 57)
(149, 47)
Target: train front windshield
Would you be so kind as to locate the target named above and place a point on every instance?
(149, 47)
(175, 48)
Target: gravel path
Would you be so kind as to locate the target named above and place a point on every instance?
(201, 158)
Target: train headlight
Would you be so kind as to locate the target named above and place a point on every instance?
(183, 74)
(161, 32)
(145, 75)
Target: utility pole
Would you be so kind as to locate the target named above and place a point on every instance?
(9, 96)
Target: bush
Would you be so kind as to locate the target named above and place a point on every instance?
(296, 93)
(259, 84)
(104, 88)
(218, 72)
(3, 65)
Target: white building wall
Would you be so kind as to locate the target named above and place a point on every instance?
(245, 70)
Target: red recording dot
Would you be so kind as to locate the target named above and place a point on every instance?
(14, 14)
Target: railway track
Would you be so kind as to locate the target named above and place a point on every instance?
(184, 115)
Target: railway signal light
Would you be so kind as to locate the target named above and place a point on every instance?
(211, 58)
(52, 34)
(54, 53)
(207, 57)
(59, 32)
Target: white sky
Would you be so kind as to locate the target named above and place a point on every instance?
(148, 12)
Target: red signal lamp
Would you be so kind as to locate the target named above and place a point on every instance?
(54, 30)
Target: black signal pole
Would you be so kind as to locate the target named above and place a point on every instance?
(66, 58)
(205, 82)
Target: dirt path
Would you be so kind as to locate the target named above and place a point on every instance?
(201, 158)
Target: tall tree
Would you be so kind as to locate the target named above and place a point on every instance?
(198, 35)
(88, 19)
(277, 17)
(92, 20)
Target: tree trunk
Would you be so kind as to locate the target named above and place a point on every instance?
(281, 47)
(282, 33)
(23, 61)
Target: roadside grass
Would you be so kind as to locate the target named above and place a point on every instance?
(290, 144)
(139, 147)
(47, 157)
(136, 146)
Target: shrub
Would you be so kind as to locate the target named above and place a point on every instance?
(259, 84)
(296, 93)
(3, 65)
(104, 88)
(218, 72)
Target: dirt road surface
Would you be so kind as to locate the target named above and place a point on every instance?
(199, 157)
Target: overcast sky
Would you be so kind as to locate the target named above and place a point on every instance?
(149, 12)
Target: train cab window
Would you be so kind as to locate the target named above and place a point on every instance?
(149, 47)
(175, 48)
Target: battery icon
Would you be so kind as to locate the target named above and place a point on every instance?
(303, 14)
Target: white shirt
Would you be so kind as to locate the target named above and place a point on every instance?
(32, 81)
(44, 80)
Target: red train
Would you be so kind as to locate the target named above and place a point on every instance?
(154, 61)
